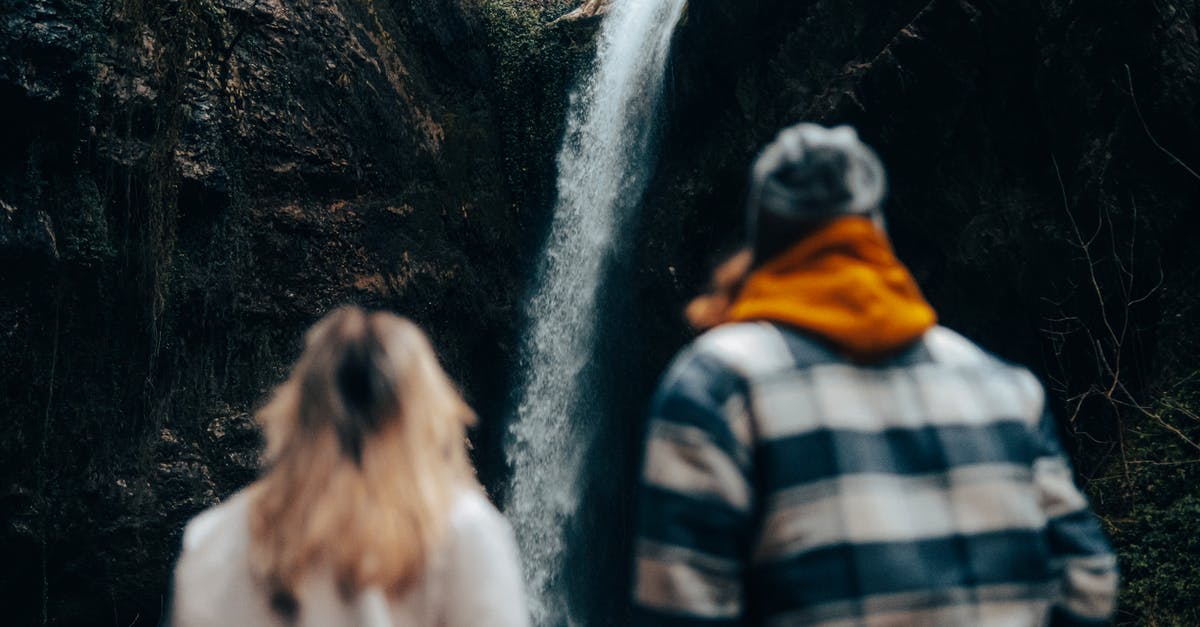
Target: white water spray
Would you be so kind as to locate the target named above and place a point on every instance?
(603, 167)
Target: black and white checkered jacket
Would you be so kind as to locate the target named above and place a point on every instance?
(784, 485)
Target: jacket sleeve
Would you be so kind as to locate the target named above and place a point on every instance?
(694, 501)
(1080, 551)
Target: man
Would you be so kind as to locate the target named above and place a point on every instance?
(828, 455)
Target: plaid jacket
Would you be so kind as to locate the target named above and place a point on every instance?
(785, 486)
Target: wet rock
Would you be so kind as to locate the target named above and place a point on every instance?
(186, 187)
(26, 235)
(234, 445)
(589, 11)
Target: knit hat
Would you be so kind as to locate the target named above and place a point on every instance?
(808, 174)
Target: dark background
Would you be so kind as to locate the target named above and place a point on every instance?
(185, 185)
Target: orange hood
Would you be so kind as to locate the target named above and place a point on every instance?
(842, 283)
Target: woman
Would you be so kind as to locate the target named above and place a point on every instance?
(368, 512)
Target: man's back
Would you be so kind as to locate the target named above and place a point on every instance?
(786, 485)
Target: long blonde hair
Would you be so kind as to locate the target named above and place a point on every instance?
(366, 448)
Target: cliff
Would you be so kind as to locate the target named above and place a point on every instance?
(187, 185)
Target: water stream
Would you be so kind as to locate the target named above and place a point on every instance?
(604, 164)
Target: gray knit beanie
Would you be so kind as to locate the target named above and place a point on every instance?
(808, 174)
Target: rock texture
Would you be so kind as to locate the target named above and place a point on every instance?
(184, 187)
(589, 11)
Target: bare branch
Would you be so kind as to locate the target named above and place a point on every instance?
(1146, 127)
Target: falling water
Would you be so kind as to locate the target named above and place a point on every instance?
(603, 167)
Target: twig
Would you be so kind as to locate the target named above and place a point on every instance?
(1086, 246)
(1146, 127)
(42, 457)
(1148, 462)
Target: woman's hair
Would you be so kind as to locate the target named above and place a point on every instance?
(366, 448)
(712, 307)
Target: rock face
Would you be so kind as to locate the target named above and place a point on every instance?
(589, 11)
(186, 185)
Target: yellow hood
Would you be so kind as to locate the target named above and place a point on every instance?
(842, 283)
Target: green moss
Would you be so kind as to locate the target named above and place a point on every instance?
(535, 69)
(1147, 491)
(86, 240)
(1159, 560)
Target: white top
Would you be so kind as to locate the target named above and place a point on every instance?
(474, 580)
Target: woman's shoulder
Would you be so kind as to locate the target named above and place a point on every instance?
(213, 581)
(220, 521)
(484, 576)
(478, 530)
(472, 511)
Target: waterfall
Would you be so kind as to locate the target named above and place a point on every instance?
(604, 164)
